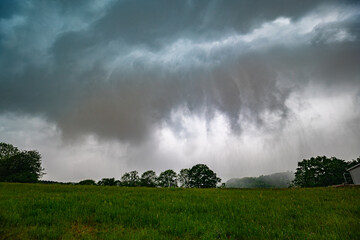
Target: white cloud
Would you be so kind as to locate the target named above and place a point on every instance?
(283, 31)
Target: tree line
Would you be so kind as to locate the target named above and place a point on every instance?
(275, 180)
(199, 176)
(320, 171)
(25, 166)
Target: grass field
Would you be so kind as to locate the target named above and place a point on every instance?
(35, 211)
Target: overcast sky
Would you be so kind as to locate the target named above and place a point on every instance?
(103, 87)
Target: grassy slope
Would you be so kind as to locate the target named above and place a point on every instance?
(34, 211)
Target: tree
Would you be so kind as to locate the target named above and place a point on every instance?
(19, 166)
(87, 182)
(167, 179)
(130, 179)
(148, 179)
(320, 171)
(7, 150)
(183, 178)
(108, 182)
(201, 176)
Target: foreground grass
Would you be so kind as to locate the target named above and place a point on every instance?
(34, 211)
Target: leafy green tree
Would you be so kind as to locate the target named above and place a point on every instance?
(130, 179)
(108, 182)
(201, 176)
(320, 171)
(7, 150)
(148, 179)
(19, 166)
(183, 178)
(167, 179)
(87, 182)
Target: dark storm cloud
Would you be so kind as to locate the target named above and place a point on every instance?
(138, 103)
(120, 68)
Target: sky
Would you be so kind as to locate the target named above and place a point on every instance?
(101, 88)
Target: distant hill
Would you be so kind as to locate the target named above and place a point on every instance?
(275, 180)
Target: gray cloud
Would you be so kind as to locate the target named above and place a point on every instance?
(120, 70)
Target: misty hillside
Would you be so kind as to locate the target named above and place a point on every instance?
(275, 180)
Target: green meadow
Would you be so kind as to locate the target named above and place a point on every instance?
(39, 211)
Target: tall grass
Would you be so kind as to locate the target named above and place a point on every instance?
(35, 211)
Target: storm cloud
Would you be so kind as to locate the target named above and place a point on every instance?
(248, 87)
